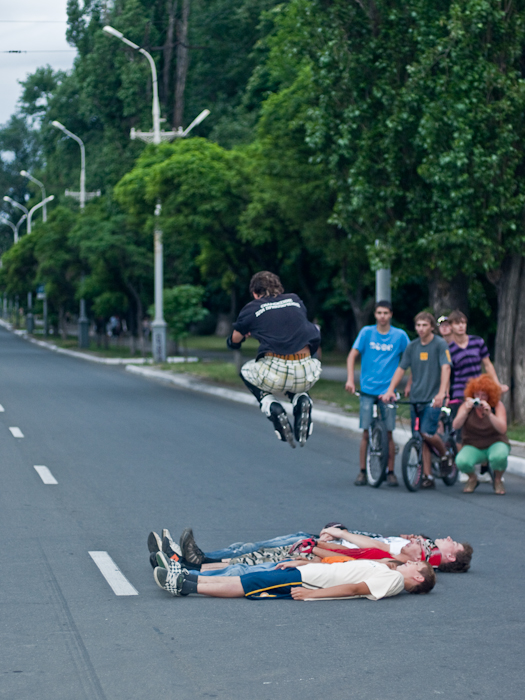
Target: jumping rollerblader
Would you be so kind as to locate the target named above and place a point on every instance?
(284, 360)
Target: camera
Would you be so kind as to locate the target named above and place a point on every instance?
(476, 402)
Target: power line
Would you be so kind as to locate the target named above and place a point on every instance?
(41, 51)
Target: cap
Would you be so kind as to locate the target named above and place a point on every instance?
(442, 319)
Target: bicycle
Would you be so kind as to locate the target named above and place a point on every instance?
(377, 448)
(412, 457)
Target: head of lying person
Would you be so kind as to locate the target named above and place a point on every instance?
(419, 576)
(455, 556)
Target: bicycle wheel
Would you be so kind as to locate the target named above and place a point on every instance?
(451, 478)
(376, 454)
(412, 464)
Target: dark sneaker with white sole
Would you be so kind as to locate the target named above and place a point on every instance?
(153, 560)
(280, 421)
(191, 552)
(427, 483)
(171, 580)
(171, 549)
(302, 412)
(154, 542)
(361, 479)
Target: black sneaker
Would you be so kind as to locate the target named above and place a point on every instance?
(171, 549)
(171, 579)
(154, 542)
(391, 479)
(281, 423)
(427, 483)
(361, 479)
(303, 425)
(162, 560)
(166, 533)
(189, 548)
(153, 560)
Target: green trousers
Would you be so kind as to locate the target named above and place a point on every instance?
(496, 455)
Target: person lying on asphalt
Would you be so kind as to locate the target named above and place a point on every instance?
(445, 554)
(302, 580)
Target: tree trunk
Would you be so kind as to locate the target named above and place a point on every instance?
(506, 281)
(342, 336)
(171, 7)
(447, 295)
(182, 64)
(518, 360)
(62, 322)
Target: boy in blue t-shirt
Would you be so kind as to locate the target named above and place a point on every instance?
(380, 347)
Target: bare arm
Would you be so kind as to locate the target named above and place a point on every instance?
(389, 395)
(237, 337)
(439, 398)
(491, 371)
(350, 366)
(344, 591)
(462, 414)
(499, 419)
(362, 541)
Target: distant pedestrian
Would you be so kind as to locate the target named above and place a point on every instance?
(284, 359)
(445, 329)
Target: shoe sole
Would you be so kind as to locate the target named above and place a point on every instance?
(304, 425)
(163, 560)
(286, 430)
(154, 543)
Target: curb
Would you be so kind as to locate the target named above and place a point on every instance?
(516, 465)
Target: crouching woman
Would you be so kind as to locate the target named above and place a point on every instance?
(483, 420)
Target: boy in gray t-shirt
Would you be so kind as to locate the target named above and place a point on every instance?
(429, 360)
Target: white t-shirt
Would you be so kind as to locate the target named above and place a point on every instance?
(380, 579)
(396, 543)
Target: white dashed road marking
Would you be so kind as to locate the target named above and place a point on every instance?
(113, 575)
(2, 409)
(46, 475)
(16, 432)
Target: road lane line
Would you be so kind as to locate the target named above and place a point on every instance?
(2, 409)
(16, 432)
(113, 575)
(45, 475)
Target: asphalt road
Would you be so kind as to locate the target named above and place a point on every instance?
(132, 455)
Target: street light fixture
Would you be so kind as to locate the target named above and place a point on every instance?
(37, 206)
(158, 327)
(24, 173)
(16, 204)
(16, 226)
(83, 321)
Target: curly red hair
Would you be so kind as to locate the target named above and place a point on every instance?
(487, 385)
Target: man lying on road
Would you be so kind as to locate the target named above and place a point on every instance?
(302, 580)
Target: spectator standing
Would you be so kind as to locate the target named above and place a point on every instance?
(381, 347)
(445, 329)
(428, 358)
(469, 354)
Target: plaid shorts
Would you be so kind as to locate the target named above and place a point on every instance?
(275, 374)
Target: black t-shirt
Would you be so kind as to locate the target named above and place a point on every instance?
(279, 324)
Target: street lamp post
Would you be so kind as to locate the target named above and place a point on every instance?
(83, 321)
(158, 327)
(24, 173)
(30, 321)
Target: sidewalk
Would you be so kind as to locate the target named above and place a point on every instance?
(328, 416)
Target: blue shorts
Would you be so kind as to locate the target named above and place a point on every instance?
(428, 418)
(271, 584)
(366, 413)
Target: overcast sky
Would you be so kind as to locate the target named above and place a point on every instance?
(46, 38)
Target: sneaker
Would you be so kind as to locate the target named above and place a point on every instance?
(162, 560)
(445, 465)
(189, 548)
(171, 549)
(427, 483)
(361, 479)
(391, 479)
(166, 533)
(171, 579)
(280, 421)
(154, 542)
(302, 411)
(153, 559)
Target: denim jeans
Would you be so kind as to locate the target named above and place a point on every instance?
(238, 569)
(238, 548)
